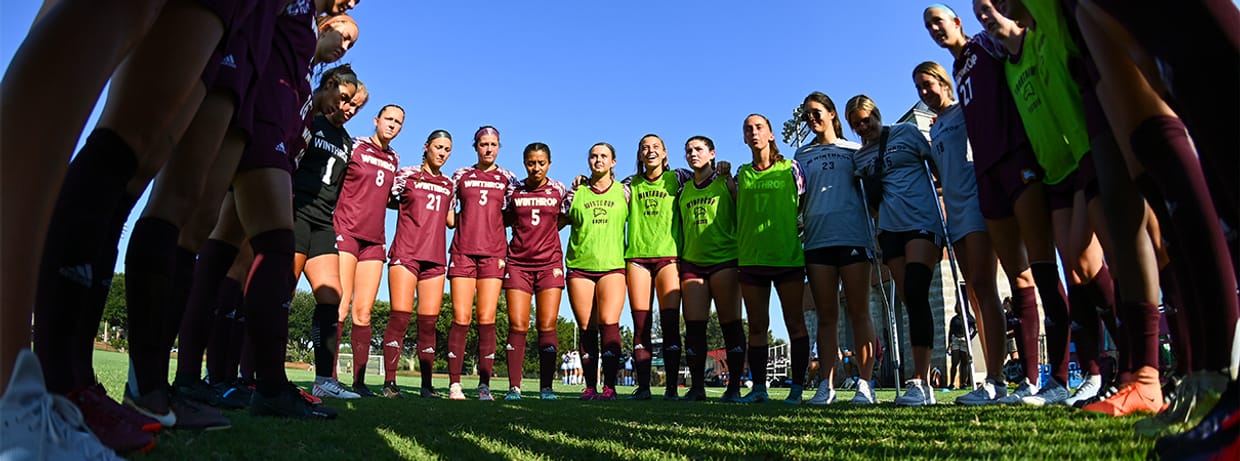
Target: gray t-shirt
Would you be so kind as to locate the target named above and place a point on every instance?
(834, 213)
(908, 199)
(952, 155)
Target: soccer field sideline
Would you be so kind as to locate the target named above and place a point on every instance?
(415, 428)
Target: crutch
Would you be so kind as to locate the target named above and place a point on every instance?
(961, 301)
(893, 343)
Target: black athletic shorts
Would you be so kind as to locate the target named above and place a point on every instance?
(313, 239)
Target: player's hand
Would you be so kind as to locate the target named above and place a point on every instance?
(724, 167)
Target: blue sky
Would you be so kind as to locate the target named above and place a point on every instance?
(570, 74)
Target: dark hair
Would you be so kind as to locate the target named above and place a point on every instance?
(611, 149)
(705, 140)
(775, 155)
(536, 147)
(342, 74)
(393, 106)
(438, 134)
(641, 165)
(822, 98)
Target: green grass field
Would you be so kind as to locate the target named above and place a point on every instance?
(414, 428)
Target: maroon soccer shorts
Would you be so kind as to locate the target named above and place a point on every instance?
(475, 267)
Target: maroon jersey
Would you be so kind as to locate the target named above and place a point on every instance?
(365, 191)
(535, 233)
(481, 197)
(422, 224)
(989, 112)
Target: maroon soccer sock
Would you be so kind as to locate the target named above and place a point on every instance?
(209, 287)
(734, 340)
(486, 352)
(83, 338)
(695, 352)
(1162, 145)
(244, 354)
(1176, 325)
(323, 334)
(426, 347)
(642, 330)
(1085, 328)
(515, 351)
(548, 356)
(1055, 306)
(1025, 301)
(220, 366)
(611, 353)
(1141, 322)
(182, 281)
(393, 342)
(456, 351)
(800, 359)
(757, 363)
(149, 264)
(669, 323)
(359, 339)
(267, 297)
(589, 357)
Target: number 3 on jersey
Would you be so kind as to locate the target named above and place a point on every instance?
(482, 199)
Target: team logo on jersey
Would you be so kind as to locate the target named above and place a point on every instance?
(557, 273)
(600, 212)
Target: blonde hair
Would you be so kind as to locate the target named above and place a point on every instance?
(939, 73)
(862, 101)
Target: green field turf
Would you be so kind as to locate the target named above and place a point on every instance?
(415, 428)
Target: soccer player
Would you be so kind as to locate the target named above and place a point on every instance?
(653, 242)
(708, 270)
(768, 192)
(1163, 161)
(839, 246)
(966, 227)
(1011, 195)
(476, 259)
(535, 269)
(359, 222)
(418, 259)
(316, 188)
(909, 226)
(597, 210)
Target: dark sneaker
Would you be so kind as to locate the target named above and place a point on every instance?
(731, 396)
(197, 390)
(390, 390)
(233, 395)
(430, 393)
(642, 393)
(113, 424)
(694, 395)
(155, 405)
(289, 403)
(197, 416)
(362, 390)
(670, 394)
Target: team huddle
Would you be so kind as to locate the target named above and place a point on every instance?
(1062, 132)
